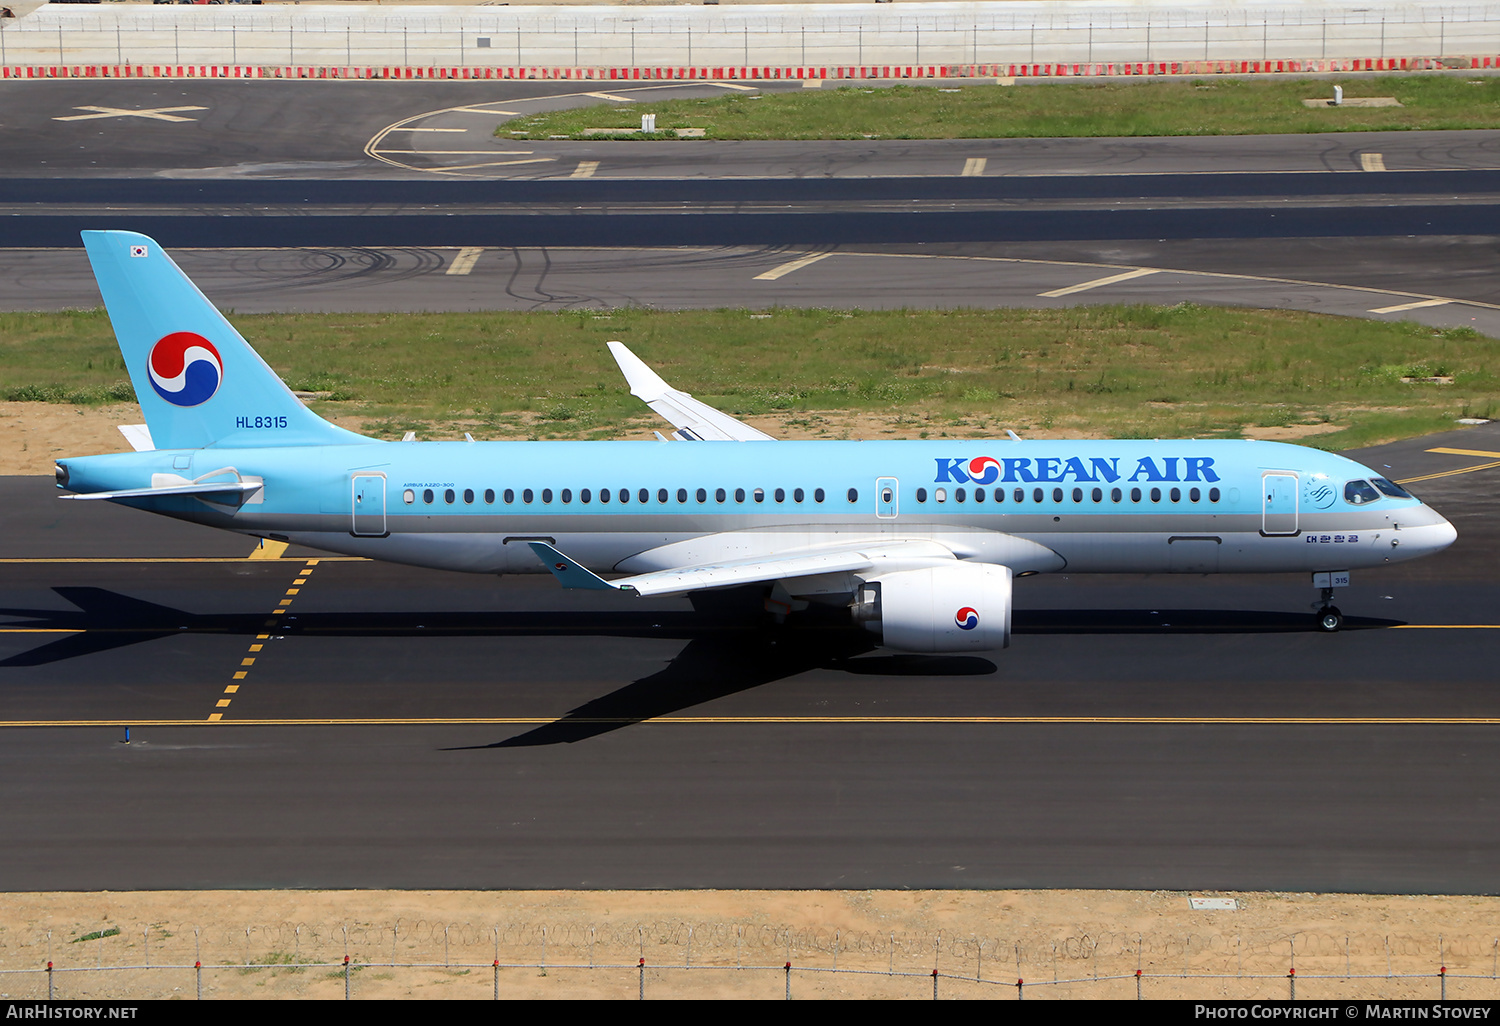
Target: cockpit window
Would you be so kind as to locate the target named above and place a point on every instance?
(1391, 488)
(1357, 493)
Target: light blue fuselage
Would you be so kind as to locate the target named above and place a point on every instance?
(1087, 506)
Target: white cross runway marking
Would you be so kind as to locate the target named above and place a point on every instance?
(155, 113)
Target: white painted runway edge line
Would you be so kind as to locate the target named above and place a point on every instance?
(790, 266)
(1139, 272)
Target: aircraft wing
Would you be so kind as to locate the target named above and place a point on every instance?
(681, 580)
(695, 421)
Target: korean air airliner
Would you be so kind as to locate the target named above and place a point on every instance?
(920, 540)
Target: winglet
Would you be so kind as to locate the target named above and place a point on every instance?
(568, 573)
(694, 420)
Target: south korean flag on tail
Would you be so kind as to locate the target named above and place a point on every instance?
(137, 251)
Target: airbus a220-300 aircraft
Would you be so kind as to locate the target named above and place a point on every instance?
(920, 539)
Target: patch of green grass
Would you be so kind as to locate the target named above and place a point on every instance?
(1204, 106)
(1122, 371)
(113, 931)
(283, 961)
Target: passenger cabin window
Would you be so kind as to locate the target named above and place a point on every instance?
(854, 495)
(921, 494)
(409, 496)
(427, 495)
(781, 495)
(468, 495)
(546, 494)
(489, 496)
(510, 496)
(1357, 493)
(567, 495)
(798, 494)
(817, 495)
(448, 496)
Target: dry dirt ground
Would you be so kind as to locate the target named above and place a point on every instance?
(704, 944)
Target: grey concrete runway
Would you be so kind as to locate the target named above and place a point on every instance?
(1151, 732)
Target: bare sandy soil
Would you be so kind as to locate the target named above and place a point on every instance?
(883, 943)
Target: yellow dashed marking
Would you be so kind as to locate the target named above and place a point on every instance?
(215, 717)
(257, 645)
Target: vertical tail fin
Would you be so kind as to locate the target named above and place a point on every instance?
(198, 381)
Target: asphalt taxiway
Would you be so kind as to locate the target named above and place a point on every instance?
(355, 196)
(406, 728)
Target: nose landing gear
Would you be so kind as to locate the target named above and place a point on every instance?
(1329, 619)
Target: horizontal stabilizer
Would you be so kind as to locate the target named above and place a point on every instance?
(233, 491)
(695, 421)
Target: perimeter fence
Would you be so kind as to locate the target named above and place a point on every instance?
(679, 959)
(789, 36)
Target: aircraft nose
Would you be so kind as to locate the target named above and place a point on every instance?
(1443, 534)
(1433, 536)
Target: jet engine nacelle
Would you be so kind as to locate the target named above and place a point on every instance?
(963, 607)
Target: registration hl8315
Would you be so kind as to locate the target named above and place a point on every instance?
(252, 423)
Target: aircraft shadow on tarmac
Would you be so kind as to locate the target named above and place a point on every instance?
(105, 620)
(730, 645)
